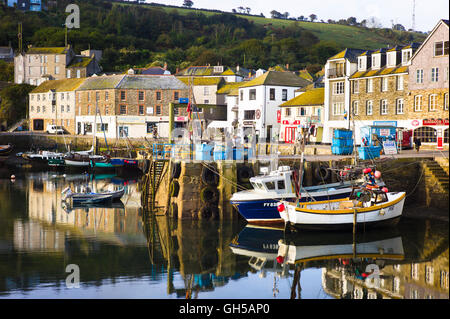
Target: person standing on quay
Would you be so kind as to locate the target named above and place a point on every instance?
(417, 144)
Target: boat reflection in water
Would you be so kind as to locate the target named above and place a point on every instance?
(408, 261)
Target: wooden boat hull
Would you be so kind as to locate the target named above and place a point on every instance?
(309, 217)
(75, 163)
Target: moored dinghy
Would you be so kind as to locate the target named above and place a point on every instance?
(369, 207)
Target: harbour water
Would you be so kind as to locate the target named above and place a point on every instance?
(124, 251)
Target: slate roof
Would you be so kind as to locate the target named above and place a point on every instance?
(277, 78)
(151, 82)
(48, 50)
(213, 80)
(309, 98)
(378, 72)
(64, 85)
(80, 61)
(349, 54)
(101, 82)
(229, 87)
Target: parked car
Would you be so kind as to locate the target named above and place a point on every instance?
(55, 129)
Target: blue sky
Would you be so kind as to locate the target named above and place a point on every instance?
(428, 12)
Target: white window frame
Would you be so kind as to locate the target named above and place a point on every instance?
(338, 108)
(418, 103)
(356, 86)
(369, 87)
(384, 84)
(400, 106)
(400, 83)
(355, 107)
(434, 74)
(383, 107)
(432, 106)
(419, 76)
(369, 111)
(446, 101)
(338, 88)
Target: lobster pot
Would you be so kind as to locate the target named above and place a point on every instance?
(369, 152)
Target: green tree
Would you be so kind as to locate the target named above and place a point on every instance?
(188, 3)
(6, 71)
(14, 102)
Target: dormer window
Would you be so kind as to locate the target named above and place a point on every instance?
(362, 65)
(406, 55)
(376, 61)
(391, 59)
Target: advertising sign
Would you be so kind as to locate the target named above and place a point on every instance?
(390, 147)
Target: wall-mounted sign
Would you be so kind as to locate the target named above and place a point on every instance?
(258, 114)
(415, 123)
(249, 123)
(279, 116)
(435, 122)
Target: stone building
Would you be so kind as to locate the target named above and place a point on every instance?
(53, 103)
(129, 105)
(379, 88)
(338, 70)
(429, 87)
(53, 63)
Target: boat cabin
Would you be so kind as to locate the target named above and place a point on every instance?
(279, 181)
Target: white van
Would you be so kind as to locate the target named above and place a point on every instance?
(55, 129)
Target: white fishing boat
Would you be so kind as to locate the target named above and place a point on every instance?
(364, 206)
(259, 205)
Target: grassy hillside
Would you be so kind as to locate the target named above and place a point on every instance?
(344, 35)
(138, 35)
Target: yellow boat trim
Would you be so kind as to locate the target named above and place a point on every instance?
(348, 256)
(347, 211)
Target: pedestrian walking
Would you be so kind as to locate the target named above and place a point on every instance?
(417, 143)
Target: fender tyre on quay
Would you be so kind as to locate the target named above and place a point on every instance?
(174, 189)
(209, 195)
(176, 170)
(321, 173)
(209, 177)
(208, 212)
(244, 173)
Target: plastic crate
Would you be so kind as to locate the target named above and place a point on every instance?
(341, 150)
(203, 152)
(342, 142)
(343, 134)
(369, 152)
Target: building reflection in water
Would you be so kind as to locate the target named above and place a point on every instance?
(411, 261)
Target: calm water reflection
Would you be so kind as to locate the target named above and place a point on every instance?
(124, 252)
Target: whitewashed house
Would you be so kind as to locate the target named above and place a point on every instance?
(259, 99)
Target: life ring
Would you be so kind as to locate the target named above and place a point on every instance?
(176, 170)
(209, 177)
(174, 189)
(321, 172)
(244, 173)
(209, 195)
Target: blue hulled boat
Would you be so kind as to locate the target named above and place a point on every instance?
(259, 205)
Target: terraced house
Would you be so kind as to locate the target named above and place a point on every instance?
(129, 105)
(53, 63)
(54, 103)
(379, 87)
(429, 88)
(338, 71)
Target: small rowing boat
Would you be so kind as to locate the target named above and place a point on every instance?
(87, 196)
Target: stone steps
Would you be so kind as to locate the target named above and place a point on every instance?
(438, 172)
